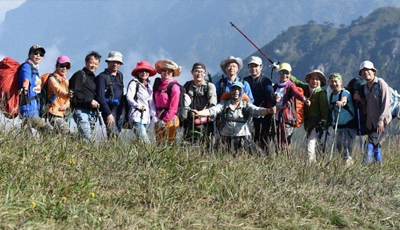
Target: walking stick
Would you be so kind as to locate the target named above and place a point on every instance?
(102, 125)
(359, 127)
(335, 131)
(262, 52)
(286, 140)
(141, 121)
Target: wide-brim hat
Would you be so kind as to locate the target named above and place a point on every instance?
(367, 65)
(230, 60)
(115, 56)
(320, 75)
(168, 64)
(143, 65)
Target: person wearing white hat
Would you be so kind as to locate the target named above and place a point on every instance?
(315, 114)
(377, 101)
(110, 92)
(231, 67)
(261, 88)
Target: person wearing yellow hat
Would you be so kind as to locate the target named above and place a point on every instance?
(343, 118)
(316, 114)
(285, 92)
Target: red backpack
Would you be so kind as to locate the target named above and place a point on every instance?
(9, 87)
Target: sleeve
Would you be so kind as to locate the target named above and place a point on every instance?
(212, 94)
(385, 114)
(130, 95)
(76, 84)
(24, 73)
(247, 90)
(323, 105)
(269, 92)
(217, 88)
(173, 105)
(100, 94)
(55, 87)
(255, 111)
(295, 92)
(299, 83)
(215, 110)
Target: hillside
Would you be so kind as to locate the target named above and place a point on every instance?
(306, 47)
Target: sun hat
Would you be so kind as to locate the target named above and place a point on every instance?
(36, 47)
(63, 59)
(143, 65)
(335, 76)
(230, 60)
(285, 66)
(115, 56)
(237, 84)
(168, 64)
(367, 65)
(199, 65)
(255, 60)
(320, 75)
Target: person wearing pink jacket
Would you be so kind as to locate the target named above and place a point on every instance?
(166, 103)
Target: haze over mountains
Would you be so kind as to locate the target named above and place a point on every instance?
(185, 31)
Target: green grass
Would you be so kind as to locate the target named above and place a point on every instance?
(62, 184)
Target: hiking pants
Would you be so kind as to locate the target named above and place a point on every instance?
(168, 131)
(345, 139)
(262, 132)
(141, 131)
(312, 145)
(85, 120)
(37, 123)
(59, 123)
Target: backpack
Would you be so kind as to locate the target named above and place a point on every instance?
(109, 84)
(357, 85)
(9, 87)
(293, 112)
(352, 123)
(299, 109)
(127, 106)
(224, 115)
(222, 85)
(184, 100)
(394, 99)
(46, 100)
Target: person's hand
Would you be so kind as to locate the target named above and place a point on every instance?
(95, 104)
(70, 93)
(110, 120)
(274, 66)
(357, 96)
(193, 112)
(340, 104)
(380, 128)
(307, 102)
(273, 110)
(142, 108)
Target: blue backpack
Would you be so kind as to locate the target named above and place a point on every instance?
(394, 100)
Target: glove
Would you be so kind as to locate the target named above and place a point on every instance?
(154, 119)
(274, 66)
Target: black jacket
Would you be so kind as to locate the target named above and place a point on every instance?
(82, 83)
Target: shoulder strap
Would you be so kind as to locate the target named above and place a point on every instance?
(53, 96)
(156, 84)
(222, 85)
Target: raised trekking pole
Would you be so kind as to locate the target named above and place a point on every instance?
(335, 131)
(102, 124)
(262, 52)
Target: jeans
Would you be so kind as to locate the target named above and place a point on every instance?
(85, 120)
(140, 131)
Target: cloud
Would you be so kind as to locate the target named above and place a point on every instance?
(6, 6)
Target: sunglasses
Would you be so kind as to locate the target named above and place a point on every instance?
(36, 52)
(284, 72)
(167, 70)
(143, 71)
(68, 66)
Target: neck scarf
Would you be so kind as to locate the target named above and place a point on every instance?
(30, 62)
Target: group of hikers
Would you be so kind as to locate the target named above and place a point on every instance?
(243, 113)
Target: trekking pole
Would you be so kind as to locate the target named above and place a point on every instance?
(102, 124)
(335, 131)
(262, 52)
(359, 127)
(286, 140)
(141, 120)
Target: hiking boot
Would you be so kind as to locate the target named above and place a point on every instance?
(369, 157)
(378, 154)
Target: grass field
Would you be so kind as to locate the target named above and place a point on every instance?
(62, 184)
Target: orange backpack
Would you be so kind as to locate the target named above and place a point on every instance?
(227, 96)
(9, 91)
(299, 110)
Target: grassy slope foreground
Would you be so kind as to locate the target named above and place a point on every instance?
(61, 184)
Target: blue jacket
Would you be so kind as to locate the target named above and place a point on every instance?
(247, 88)
(30, 103)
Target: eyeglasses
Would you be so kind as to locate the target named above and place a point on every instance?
(36, 52)
(201, 72)
(68, 66)
(167, 70)
(284, 72)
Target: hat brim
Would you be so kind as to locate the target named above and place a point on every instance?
(359, 72)
(235, 60)
(320, 75)
(168, 64)
(151, 70)
(114, 59)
